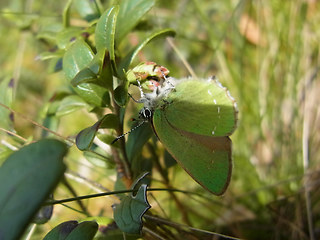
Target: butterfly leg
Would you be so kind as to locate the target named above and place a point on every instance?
(137, 101)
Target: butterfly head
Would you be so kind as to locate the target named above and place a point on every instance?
(145, 114)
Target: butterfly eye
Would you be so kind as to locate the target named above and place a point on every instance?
(147, 114)
(142, 113)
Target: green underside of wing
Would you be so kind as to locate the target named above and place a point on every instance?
(206, 159)
(201, 107)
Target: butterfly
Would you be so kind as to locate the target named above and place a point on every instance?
(194, 119)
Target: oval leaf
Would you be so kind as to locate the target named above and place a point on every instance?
(70, 104)
(61, 231)
(66, 14)
(110, 121)
(121, 95)
(43, 215)
(93, 94)
(123, 67)
(105, 31)
(67, 36)
(26, 179)
(76, 58)
(97, 63)
(85, 75)
(87, 9)
(85, 138)
(84, 231)
(131, 11)
(137, 139)
(90, 73)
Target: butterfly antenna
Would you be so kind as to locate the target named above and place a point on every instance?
(166, 79)
(163, 75)
(140, 89)
(137, 101)
(131, 130)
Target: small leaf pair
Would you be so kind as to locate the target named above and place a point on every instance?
(128, 214)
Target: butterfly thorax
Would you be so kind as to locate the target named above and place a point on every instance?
(154, 99)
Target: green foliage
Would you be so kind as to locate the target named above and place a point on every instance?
(128, 214)
(61, 231)
(71, 230)
(265, 52)
(85, 137)
(105, 31)
(32, 173)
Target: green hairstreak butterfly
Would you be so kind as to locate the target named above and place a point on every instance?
(194, 119)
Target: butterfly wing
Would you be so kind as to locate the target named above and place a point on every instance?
(207, 159)
(201, 107)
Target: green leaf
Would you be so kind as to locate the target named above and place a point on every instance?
(141, 164)
(55, 65)
(67, 36)
(128, 214)
(137, 139)
(139, 181)
(105, 31)
(70, 104)
(27, 177)
(107, 139)
(85, 138)
(97, 62)
(109, 121)
(76, 58)
(92, 71)
(123, 67)
(131, 12)
(93, 94)
(101, 160)
(101, 66)
(71, 230)
(66, 14)
(121, 95)
(5, 152)
(84, 231)
(88, 9)
(61, 231)
(43, 215)
(84, 76)
(106, 75)
(49, 55)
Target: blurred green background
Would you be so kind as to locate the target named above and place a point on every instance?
(265, 52)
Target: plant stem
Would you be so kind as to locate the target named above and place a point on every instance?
(123, 165)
